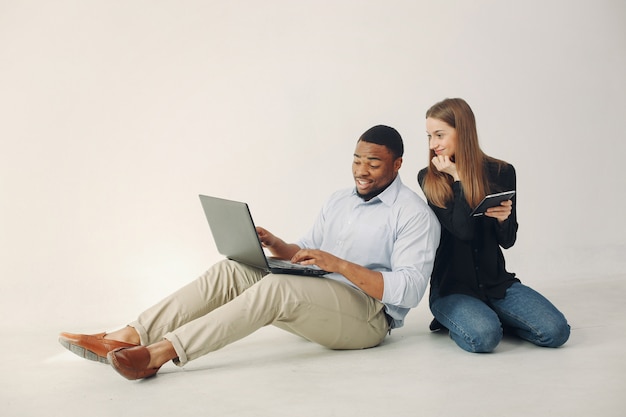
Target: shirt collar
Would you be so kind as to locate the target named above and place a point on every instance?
(388, 196)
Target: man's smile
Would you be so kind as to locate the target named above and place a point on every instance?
(363, 184)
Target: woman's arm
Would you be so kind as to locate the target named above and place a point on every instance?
(455, 217)
(506, 230)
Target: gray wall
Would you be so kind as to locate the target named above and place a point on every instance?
(114, 115)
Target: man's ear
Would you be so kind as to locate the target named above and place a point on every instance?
(397, 164)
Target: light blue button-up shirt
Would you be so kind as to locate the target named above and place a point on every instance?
(395, 233)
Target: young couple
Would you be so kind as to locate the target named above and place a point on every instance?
(381, 244)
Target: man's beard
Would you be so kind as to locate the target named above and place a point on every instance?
(372, 194)
(369, 196)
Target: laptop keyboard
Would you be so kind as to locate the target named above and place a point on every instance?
(279, 263)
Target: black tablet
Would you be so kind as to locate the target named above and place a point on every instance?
(490, 201)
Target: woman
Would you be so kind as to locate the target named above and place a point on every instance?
(472, 294)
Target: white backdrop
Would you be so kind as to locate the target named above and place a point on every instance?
(115, 115)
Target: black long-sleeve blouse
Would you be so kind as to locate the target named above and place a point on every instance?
(469, 259)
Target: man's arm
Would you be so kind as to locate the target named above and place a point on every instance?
(371, 282)
(278, 247)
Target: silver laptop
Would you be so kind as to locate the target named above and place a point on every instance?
(236, 238)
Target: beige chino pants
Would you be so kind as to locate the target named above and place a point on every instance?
(232, 300)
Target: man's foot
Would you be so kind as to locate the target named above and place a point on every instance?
(132, 363)
(93, 347)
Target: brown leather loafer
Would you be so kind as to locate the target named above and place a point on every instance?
(91, 346)
(132, 363)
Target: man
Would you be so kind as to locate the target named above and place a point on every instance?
(377, 240)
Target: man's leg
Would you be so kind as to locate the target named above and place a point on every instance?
(334, 315)
(472, 324)
(220, 284)
(324, 311)
(532, 317)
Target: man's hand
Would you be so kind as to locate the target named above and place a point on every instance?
(501, 212)
(277, 246)
(444, 164)
(267, 239)
(371, 282)
(322, 259)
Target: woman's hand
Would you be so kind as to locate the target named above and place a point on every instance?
(501, 212)
(444, 164)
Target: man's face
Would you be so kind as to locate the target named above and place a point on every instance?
(373, 168)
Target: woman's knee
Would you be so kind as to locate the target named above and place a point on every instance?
(479, 340)
(554, 334)
(473, 325)
(478, 333)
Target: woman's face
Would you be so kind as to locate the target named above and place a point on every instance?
(441, 137)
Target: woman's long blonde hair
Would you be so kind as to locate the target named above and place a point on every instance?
(470, 160)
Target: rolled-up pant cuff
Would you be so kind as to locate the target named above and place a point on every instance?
(141, 331)
(182, 359)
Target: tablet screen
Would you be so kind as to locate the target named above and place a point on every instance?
(490, 201)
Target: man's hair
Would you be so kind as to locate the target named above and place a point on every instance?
(386, 136)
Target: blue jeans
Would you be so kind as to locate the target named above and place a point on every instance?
(477, 326)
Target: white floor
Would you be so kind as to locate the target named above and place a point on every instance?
(414, 373)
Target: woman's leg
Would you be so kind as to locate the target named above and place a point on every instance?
(532, 317)
(472, 324)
